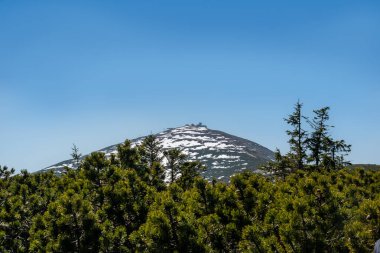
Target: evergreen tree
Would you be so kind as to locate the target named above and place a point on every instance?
(168, 228)
(127, 201)
(94, 170)
(324, 149)
(319, 140)
(94, 167)
(175, 159)
(69, 225)
(150, 151)
(129, 157)
(5, 172)
(75, 154)
(156, 176)
(151, 155)
(280, 167)
(189, 172)
(326, 211)
(108, 205)
(317, 150)
(334, 159)
(298, 137)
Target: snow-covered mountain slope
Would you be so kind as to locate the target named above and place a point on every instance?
(222, 153)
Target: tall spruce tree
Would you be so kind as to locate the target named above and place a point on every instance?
(298, 137)
(319, 140)
(315, 150)
(75, 154)
(324, 149)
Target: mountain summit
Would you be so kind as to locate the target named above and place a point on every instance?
(223, 154)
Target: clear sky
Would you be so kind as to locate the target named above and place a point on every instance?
(96, 72)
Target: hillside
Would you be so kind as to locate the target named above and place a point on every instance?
(222, 153)
(365, 166)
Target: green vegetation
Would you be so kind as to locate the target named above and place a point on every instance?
(365, 166)
(122, 204)
(314, 151)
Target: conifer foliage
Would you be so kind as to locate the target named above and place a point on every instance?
(126, 203)
(298, 137)
(75, 154)
(314, 150)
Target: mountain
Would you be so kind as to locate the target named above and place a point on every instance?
(222, 153)
(365, 166)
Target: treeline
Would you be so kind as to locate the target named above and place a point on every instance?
(133, 202)
(312, 147)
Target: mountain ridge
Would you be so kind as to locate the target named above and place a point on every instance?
(222, 153)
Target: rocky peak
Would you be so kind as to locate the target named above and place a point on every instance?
(222, 153)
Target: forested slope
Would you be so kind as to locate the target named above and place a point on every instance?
(307, 202)
(106, 207)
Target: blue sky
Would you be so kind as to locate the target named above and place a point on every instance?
(96, 72)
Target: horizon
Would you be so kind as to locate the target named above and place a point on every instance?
(96, 73)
